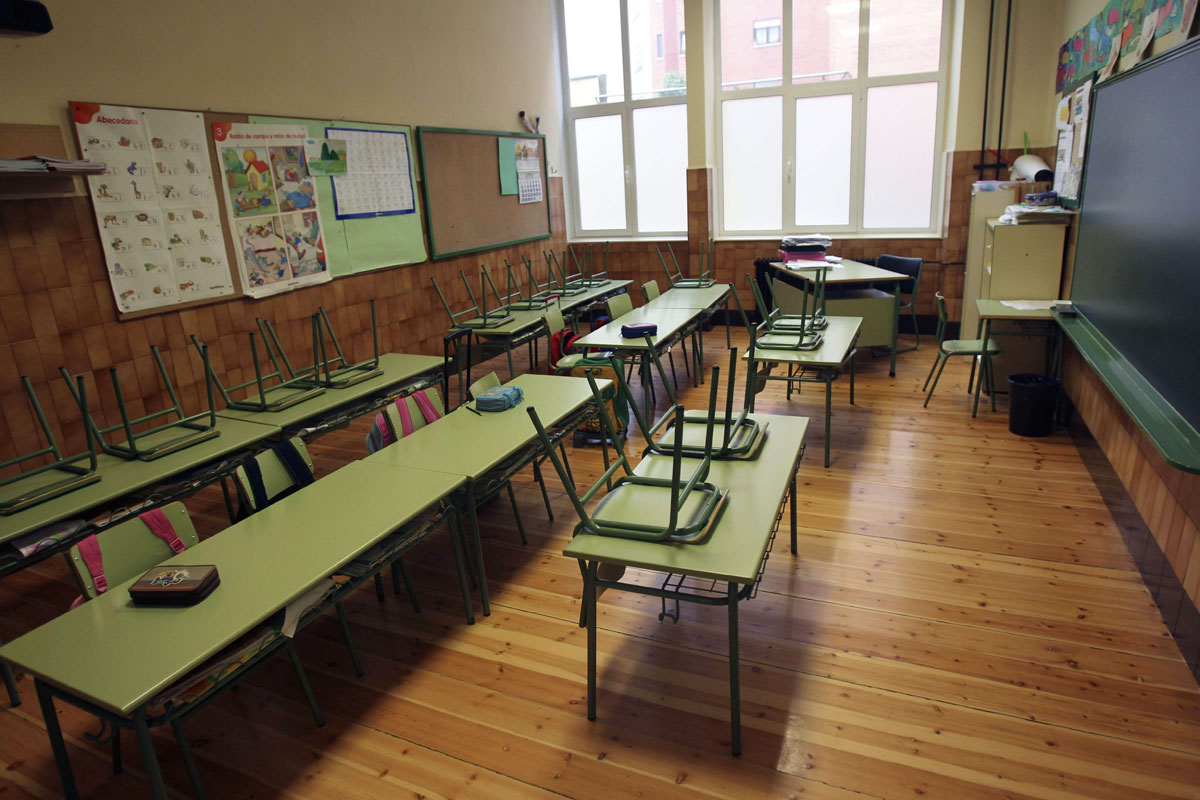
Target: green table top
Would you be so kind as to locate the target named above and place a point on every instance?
(397, 368)
(844, 271)
(119, 477)
(676, 297)
(668, 320)
(523, 320)
(995, 309)
(119, 656)
(839, 338)
(472, 444)
(734, 550)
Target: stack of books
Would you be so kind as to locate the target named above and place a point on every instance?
(807, 247)
(1026, 214)
(21, 165)
(50, 164)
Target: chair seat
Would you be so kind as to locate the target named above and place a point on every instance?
(569, 361)
(968, 347)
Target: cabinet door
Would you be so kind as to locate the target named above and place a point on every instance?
(1026, 262)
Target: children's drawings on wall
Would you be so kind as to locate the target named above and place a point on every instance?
(155, 204)
(272, 199)
(1117, 30)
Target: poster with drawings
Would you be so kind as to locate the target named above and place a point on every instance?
(155, 204)
(272, 203)
(378, 179)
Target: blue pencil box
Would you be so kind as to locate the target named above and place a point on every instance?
(499, 398)
(639, 330)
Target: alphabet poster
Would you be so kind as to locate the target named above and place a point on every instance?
(272, 203)
(155, 204)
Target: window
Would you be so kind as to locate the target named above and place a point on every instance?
(846, 141)
(767, 31)
(626, 131)
(682, 42)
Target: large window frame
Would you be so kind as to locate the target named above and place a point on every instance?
(857, 88)
(624, 109)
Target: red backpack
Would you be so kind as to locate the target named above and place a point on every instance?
(561, 343)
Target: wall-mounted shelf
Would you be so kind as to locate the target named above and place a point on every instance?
(20, 140)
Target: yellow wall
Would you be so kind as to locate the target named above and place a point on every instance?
(461, 63)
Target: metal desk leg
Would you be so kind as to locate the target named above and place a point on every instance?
(589, 610)
(459, 547)
(895, 325)
(828, 410)
(725, 308)
(10, 683)
(794, 547)
(57, 745)
(644, 369)
(149, 760)
(984, 364)
(483, 590)
(735, 689)
(512, 373)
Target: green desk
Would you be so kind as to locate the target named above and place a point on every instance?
(483, 449)
(673, 325)
(990, 310)
(402, 372)
(113, 657)
(880, 313)
(525, 327)
(705, 298)
(822, 365)
(735, 554)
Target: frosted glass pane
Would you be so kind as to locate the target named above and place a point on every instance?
(823, 160)
(660, 161)
(752, 163)
(901, 127)
(600, 172)
(751, 43)
(594, 51)
(905, 37)
(657, 65)
(824, 40)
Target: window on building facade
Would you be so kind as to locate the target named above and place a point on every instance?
(625, 83)
(837, 130)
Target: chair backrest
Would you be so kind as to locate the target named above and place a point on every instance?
(489, 381)
(275, 475)
(650, 290)
(620, 305)
(943, 316)
(554, 319)
(131, 548)
(909, 266)
(416, 416)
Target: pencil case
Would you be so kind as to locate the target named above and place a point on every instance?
(638, 330)
(499, 398)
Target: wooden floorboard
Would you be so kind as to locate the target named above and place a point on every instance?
(962, 620)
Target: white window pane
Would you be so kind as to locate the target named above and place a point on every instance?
(594, 51)
(751, 51)
(660, 161)
(752, 169)
(823, 160)
(905, 37)
(657, 67)
(600, 170)
(901, 128)
(824, 40)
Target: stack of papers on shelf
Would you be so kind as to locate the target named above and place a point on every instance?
(1024, 214)
(1030, 305)
(21, 165)
(808, 241)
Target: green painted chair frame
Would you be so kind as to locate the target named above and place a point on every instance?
(692, 531)
(539, 291)
(591, 278)
(475, 316)
(791, 340)
(741, 437)
(298, 389)
(524, 301)
(77, 475)
(803, 323)
(137, 550)
(196, 430)
(971, 348)
(336, 372)
(676, 278)
(566, 285)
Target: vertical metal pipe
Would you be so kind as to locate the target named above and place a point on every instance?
(1003, 89)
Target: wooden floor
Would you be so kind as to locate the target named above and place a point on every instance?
(963, 620)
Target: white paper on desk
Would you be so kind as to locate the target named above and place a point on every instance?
(1029, 305)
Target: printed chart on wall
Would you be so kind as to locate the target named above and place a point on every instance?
(366, 196)
(155, 204)
(271, 200)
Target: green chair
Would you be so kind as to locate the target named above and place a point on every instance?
(912, 267)
(128, 550)
(336, 372)
(555, 323)
(676, 278)
(589, 277)
(971, 348)
(277, 482)
(566, 285)
(270, 396)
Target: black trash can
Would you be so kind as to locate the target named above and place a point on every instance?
(1031, 403)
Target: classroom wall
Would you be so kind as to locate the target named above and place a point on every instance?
(455, 62)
